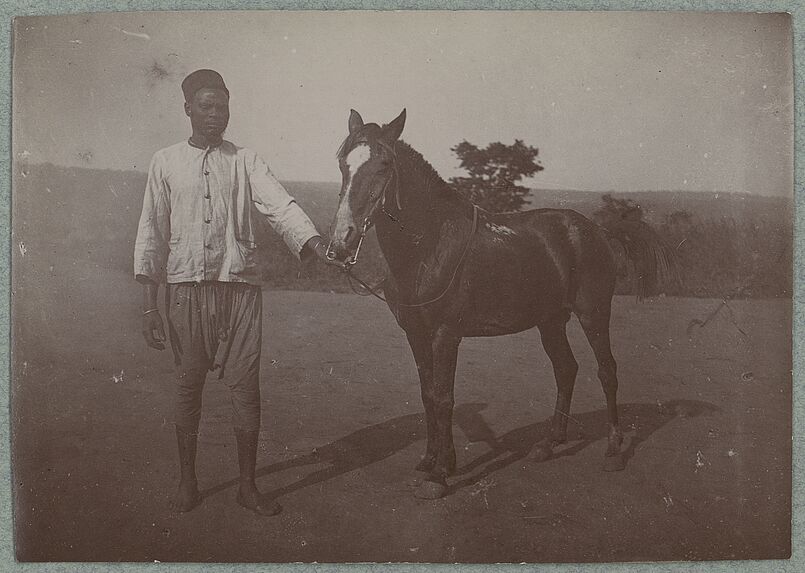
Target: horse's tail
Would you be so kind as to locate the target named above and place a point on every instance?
(654, 261)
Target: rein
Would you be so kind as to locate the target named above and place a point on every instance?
(373, 290)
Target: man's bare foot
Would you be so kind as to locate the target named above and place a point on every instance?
(187, 496)
(250, 498)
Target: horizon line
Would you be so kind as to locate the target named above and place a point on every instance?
(15, 162)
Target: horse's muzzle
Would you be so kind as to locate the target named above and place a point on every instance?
(337, 252)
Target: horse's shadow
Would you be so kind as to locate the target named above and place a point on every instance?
(379, 441)
(638, 420)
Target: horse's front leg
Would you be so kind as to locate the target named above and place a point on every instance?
(444, 347)
(423, 355)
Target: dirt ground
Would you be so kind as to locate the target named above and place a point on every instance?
(707, 413)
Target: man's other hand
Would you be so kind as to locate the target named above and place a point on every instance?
(153, 330)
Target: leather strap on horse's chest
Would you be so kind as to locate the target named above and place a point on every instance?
(466, 250)
(458, 266)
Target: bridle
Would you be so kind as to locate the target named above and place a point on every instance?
(368, 222)
(380, 202)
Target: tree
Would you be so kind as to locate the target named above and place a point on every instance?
(614, 210)
(493, 173)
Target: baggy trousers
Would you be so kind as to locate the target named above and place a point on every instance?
(216, 326)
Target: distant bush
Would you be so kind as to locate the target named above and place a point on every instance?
(750, 257)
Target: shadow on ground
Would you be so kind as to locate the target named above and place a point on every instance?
(380, 441)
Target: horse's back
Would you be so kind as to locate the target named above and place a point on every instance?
(577, 250)
(568, 232)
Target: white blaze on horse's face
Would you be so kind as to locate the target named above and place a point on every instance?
(344, 222)
(356, 158)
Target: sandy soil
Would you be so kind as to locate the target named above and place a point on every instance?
(708, 416)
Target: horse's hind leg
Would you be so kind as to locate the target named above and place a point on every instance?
(596, 328)
(565, 367)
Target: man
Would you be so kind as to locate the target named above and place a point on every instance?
(196, 234)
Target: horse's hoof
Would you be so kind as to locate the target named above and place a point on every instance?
(430, 490)
(541, 453)
(614, 463)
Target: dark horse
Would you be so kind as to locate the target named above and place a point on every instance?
(457, 270)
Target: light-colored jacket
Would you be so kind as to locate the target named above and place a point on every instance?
(197, 219)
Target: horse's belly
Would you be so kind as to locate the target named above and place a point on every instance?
(492, 328)
(495, 316)
(511, 290)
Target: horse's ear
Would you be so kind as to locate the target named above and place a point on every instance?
(393, 130)
(355, 121)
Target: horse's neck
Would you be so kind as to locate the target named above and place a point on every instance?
(425, 197)
(410, 234)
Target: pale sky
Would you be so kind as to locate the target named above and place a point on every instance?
(614, 101)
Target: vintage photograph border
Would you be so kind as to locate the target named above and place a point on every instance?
(12, 8)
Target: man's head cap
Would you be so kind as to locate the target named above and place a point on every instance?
(199, 79)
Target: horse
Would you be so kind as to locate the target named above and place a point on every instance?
(456, 270)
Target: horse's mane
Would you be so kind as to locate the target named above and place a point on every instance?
(413, 161)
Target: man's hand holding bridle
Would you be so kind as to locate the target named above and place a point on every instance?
(317, 246)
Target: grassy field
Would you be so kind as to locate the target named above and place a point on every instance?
(707, 411)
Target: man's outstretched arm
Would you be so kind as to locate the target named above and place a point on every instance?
(284, 214)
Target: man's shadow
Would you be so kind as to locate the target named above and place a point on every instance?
(379, 441)
(356, 450)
